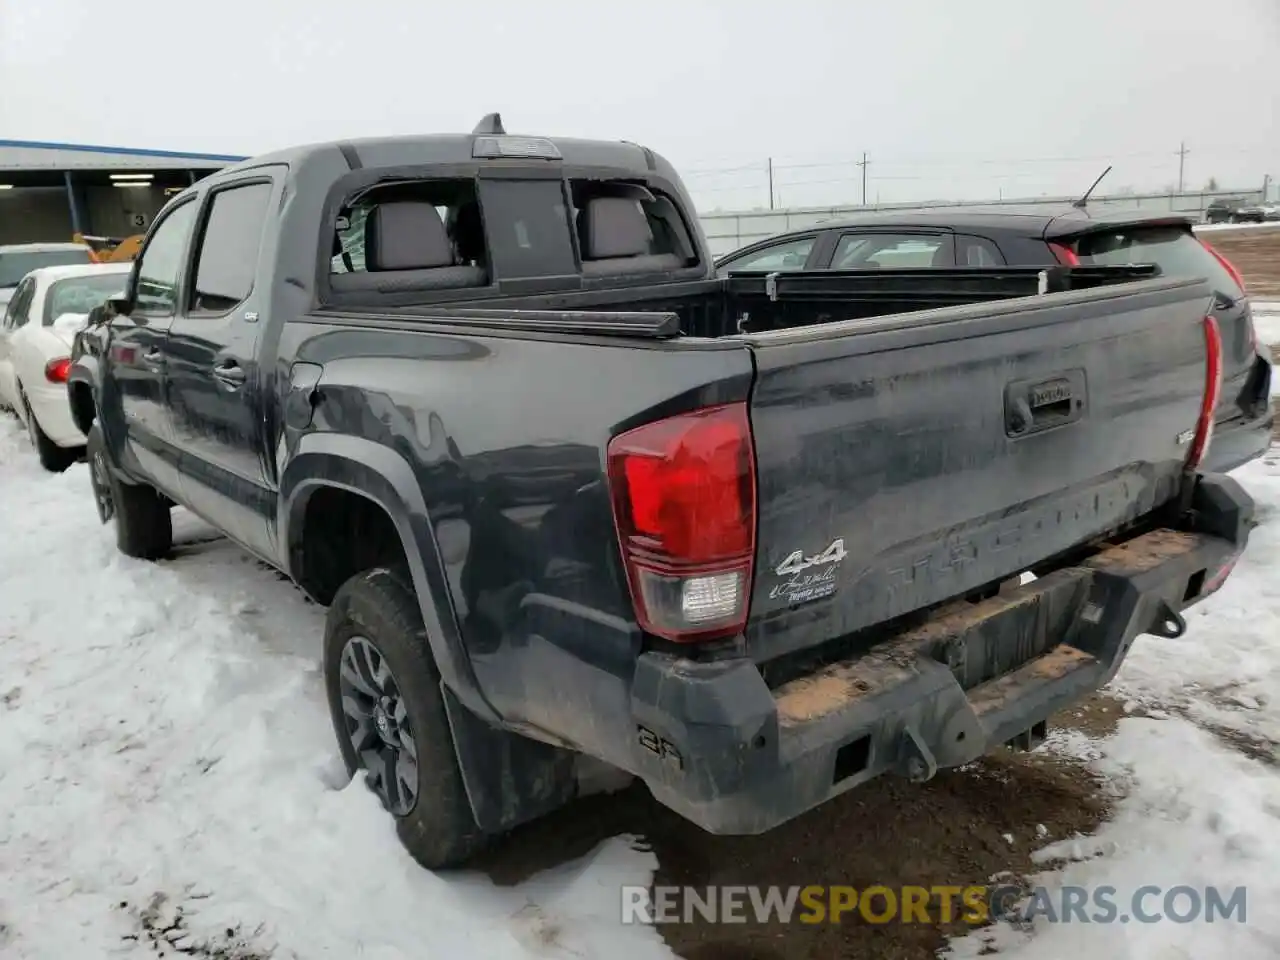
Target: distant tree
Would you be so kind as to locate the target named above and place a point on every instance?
(1211, 185)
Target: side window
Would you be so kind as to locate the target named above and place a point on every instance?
(227, 261)
(160, 265)
(19, 311)
(456, 210)
(889, 251)
(350, 237)
(790, 255)
(978, 252)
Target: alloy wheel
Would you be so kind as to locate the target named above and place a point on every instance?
(100, 480)
(378, 726)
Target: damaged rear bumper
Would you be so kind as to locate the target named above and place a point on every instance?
(717, 745)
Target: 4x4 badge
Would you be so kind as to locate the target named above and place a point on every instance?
(797, 562)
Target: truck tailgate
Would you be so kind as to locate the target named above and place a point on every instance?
(904, 461)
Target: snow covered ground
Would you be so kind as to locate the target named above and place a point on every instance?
(1234, 227)
(166, 764)
(163, 732)
(1266, 320)
(1196, 811)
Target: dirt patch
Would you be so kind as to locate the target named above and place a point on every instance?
(1256, 254)
(1096, 716)
(161, 925)
(964, 827)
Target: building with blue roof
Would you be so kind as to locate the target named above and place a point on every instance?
(51, 191)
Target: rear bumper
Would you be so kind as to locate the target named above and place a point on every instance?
(53, 412)
(718, 746)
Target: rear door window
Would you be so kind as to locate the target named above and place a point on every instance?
(891, 251)
(528, 226)
(227, 261)
(1175, 250)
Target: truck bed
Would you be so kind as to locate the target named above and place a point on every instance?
(760, 303)
(894, 470)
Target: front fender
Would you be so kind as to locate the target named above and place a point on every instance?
(361, 466)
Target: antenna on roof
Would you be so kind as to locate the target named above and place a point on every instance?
(1084, 200)
(490, 124)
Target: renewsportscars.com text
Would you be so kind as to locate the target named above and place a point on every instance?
(974, 905)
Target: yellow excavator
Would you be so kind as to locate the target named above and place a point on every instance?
(110, 249)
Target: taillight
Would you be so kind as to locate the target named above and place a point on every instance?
(1212, 393)
(684, 501)
(55, 371)
(1065, 255)
(1226, 264)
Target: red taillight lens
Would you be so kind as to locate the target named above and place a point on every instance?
(1227, 265)
(55, 371)
(1066, 256)
(684, 500)
(1212, 393)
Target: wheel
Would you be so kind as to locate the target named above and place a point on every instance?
(389, 717)
(53, 458)
(144, 525)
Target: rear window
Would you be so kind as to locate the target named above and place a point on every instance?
(81, 294)
(16, 265)
(528, 226)
(1174, 250)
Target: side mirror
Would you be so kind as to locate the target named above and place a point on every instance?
(121, 304)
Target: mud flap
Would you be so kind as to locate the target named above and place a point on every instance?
(509, 779)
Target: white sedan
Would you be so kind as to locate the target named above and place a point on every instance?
(48, 307)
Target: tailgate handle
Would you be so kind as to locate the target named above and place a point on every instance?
(1031, 406)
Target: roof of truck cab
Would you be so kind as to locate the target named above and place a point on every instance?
(456, 148)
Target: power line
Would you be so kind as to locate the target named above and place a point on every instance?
(951, 162)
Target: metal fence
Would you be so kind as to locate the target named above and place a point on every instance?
(729, 231)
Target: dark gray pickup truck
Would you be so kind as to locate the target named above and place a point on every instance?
(754, 539)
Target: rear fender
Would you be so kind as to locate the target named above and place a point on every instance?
(361, 466)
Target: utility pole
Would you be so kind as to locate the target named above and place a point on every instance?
(771, 183)
(1182, 162)
(1266, 186)
(863, 165)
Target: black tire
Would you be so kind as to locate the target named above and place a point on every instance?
(438, 829)
(53, 458)
(144, 525)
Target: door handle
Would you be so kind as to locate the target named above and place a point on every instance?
(229, 375)
(153, 358)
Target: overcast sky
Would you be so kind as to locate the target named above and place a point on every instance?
(963, 99)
